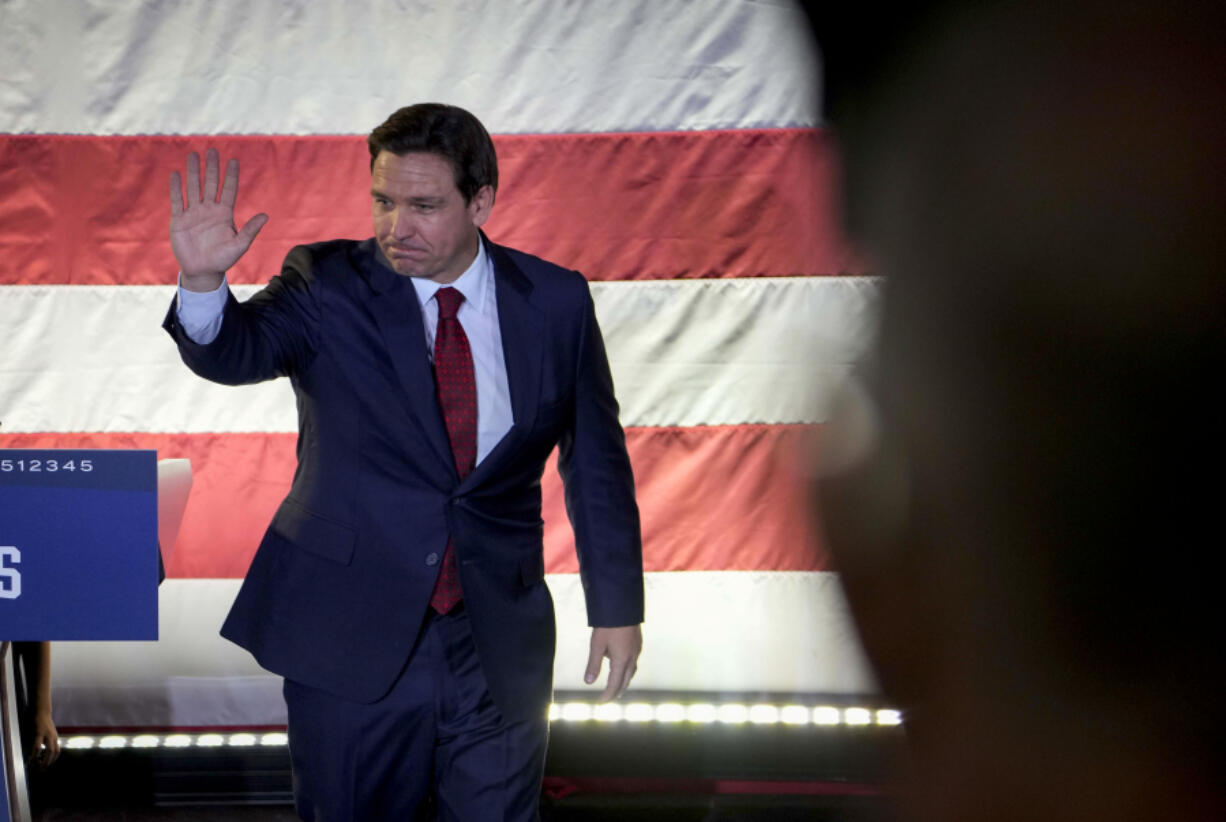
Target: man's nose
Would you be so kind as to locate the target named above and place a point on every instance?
(403, 224)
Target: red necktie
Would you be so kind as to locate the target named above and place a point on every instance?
(456, 388)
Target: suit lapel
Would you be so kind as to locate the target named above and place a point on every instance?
(398, 315)
(521, 325)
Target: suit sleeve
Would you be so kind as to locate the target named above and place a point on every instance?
(599, 488)
(270, 335)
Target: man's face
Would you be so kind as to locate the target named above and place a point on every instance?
(422, 224)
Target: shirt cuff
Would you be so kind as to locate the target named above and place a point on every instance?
(200, 312)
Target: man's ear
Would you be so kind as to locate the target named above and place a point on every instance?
(480, 206)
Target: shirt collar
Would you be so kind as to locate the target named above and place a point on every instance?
(474, 283)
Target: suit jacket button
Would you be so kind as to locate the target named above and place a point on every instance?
(432, 558)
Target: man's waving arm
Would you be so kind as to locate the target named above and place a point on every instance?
(220, 339)
(205, 244)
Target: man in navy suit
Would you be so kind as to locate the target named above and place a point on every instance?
(400, 587)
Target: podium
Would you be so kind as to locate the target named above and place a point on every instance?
(78, 561)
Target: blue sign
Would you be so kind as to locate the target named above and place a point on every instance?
(78, 544)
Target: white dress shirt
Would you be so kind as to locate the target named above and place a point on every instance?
(200, 314)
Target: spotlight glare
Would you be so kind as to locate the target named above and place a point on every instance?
(794, 715)
(827, 715)
(889, 716)
(858, 716)
(763, 714)
(702, 712)
(732, 713)
(669, 712)
(608, 712)
(638, 712)
(576, 712)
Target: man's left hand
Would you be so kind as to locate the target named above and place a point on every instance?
(622, 647)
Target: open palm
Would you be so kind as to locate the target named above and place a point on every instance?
(203, 237)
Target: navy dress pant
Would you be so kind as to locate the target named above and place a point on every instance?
(435, 736)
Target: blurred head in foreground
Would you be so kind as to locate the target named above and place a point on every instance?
(1021, 491)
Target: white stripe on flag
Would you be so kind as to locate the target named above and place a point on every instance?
(533, 66)
(683, 353)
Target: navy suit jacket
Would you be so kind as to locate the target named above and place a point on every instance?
(341, 581)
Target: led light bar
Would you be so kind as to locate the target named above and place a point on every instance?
(696, 713)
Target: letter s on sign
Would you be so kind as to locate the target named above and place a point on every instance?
(10, 577)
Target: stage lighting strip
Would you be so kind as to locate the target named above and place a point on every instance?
(668, 712)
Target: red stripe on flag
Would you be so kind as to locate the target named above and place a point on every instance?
(94, 210)
(711, 498)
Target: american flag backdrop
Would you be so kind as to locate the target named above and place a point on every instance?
(669, 150)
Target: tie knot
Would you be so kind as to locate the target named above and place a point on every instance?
(449, 300)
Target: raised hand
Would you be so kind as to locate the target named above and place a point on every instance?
(203, 237)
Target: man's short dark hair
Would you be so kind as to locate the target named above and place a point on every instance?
(449, 131)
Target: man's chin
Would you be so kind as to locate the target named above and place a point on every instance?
(405, 267)
(407, 270)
